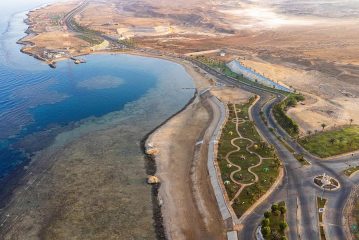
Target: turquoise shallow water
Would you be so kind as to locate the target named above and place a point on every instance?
(37, 102)
(81, 127)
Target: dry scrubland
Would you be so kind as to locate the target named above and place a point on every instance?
(313, 47)
(48, 33)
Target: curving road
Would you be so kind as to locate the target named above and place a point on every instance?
(67, 19)
(297, 188)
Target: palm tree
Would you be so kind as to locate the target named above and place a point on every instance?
(323, 126)
(351, 121)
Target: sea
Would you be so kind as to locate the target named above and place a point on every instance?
(42, 108)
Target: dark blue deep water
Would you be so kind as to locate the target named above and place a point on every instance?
(37, 102)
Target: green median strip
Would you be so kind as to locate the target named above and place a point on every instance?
(301, 159)
(320, 208)
(351, 170)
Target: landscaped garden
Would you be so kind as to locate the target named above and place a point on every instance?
(326, 182)
(248, 165)
(333, 142)
(321, 143)
(274, 225)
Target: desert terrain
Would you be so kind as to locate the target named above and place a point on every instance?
(312, 47)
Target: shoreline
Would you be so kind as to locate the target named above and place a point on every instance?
(149, 161)
(151, 169)
(188, 205)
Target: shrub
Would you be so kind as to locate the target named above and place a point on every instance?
(265, 222)
(267, 214)
(282, 209)
(277, 212)
(266, 231)
(284, 238)
(283, 225)
(274, 207)
(279, 113)
(292, 102)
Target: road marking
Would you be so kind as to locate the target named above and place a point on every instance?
(199, 142)
(204, 91)
(336, 225)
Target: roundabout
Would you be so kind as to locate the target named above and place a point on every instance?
(326, 182)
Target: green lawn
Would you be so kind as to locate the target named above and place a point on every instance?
(333, 142)
(267, 172)
(252, 193)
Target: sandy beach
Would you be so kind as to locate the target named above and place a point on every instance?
(189, 207)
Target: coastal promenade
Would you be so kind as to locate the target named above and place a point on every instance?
(227, 214)
(297, 190)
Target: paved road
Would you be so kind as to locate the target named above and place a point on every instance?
(72, 27)
(67, 19)
(297, 189)
(292, 189)
(336, 200)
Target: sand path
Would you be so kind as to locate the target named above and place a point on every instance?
(242, 185)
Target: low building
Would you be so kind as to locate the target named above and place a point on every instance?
(222, 53)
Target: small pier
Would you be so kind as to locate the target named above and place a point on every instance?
(78, 60)
(52, 64)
